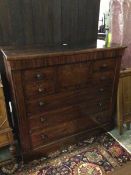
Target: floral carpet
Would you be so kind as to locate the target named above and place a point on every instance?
(124, 139)
(95, 156)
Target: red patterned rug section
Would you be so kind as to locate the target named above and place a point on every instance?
(95, 156)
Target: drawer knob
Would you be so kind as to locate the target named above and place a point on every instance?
(101, 89)
(44, 137)
(38, 76)
(41, 103)
(43, 119)
(100, 104)
(104, 66)
(98, 118)
(103, 78)
(40, 90)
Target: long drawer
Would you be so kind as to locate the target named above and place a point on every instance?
(69, 128)
(53, 118)
(91, 97)
(102, 82)
(56, 117)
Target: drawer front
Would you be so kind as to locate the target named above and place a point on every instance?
(104, 78)
(36, 75)
(54, 118)
(38, 89)
(92, 107)
(61, 131)
(62, 100)
(66, 129)
(74, 76)
(104, 65)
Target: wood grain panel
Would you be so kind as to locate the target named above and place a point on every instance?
(80, 71)
(124, 100)
(16, 13)
(69, 21)
(28, 25)
(5, 23)
(86, 20)
(27, 22)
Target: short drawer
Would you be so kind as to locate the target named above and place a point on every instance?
(42, 74)
(74, 76)
(65, 129)
(104, 65)
(104, 78)
(36, 90)
(96, 106)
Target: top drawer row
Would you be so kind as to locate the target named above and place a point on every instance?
(85, 67)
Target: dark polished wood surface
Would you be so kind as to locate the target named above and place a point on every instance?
(37, 51)
(63, 95)
(24, 22)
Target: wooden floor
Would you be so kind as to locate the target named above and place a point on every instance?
(124, 170)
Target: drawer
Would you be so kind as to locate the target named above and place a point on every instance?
(74, 76)
(61, 100)
(104, 78)
(42, 74)
(61, 131)
(96, 106)
(104, 65)
(36, 90)
(54, 118)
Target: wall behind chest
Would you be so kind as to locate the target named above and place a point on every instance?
(48, 22)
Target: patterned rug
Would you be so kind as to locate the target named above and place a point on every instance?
(95, 156)
(124, 139)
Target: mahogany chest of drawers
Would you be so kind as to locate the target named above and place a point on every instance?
(61, 95)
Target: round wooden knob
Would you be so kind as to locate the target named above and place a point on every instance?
(101, 89)
(41, 103)
(40, 90)
(43, 119)
(39, 76)
(44, 137)
(104, 66)
(103, 78)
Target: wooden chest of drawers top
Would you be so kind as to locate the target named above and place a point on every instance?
(35, 57)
